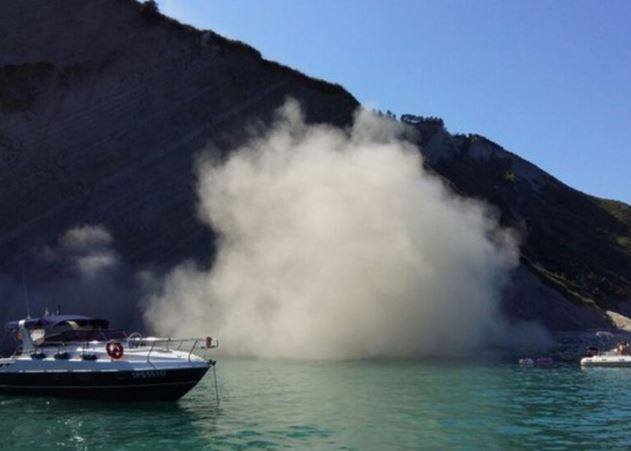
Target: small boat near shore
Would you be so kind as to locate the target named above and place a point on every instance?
(607, 360)
(619, 356)
(80, 357)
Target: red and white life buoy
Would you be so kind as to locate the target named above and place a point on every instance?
(114, 350)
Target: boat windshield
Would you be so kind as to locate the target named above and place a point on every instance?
(57, 329)
(83, 335)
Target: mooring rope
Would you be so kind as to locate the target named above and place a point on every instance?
(216, 385)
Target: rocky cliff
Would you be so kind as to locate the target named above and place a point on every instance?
(575, 253)
(104, 105)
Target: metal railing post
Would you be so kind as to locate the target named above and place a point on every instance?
(192, 349)
(150, 351)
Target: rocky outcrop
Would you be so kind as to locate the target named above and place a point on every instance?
(576, 245)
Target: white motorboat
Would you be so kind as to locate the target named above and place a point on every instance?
(619, 356)
(80, 357)
(607, 359)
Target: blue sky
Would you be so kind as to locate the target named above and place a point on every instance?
(548, 80)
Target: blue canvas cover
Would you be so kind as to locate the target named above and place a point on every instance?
(50, 321)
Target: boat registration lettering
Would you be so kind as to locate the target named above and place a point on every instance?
(147, 374)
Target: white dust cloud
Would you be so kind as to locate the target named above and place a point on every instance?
(338, 244)
(87, 249)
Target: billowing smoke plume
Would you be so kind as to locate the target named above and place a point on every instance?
(338, 244)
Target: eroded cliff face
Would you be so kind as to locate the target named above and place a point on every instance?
(575, 253)
(102, 109)
(105, 105)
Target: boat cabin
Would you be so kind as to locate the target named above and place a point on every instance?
(55, 329)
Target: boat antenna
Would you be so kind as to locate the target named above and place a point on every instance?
(26, 300)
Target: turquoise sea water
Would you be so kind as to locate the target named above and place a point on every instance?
(347, 405)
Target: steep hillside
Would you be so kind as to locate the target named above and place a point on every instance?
(574, 243)
(105, 104)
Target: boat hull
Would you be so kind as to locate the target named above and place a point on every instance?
(120, 386)
(607, 361)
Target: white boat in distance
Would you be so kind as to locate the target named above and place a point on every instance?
(80, 357)
(619, 356)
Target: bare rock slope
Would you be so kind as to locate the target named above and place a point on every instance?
(577, 247)
(104, 105)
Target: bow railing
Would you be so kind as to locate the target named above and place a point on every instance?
(136, 346)
(173, 344)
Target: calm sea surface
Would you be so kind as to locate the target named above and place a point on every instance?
(347, 405)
